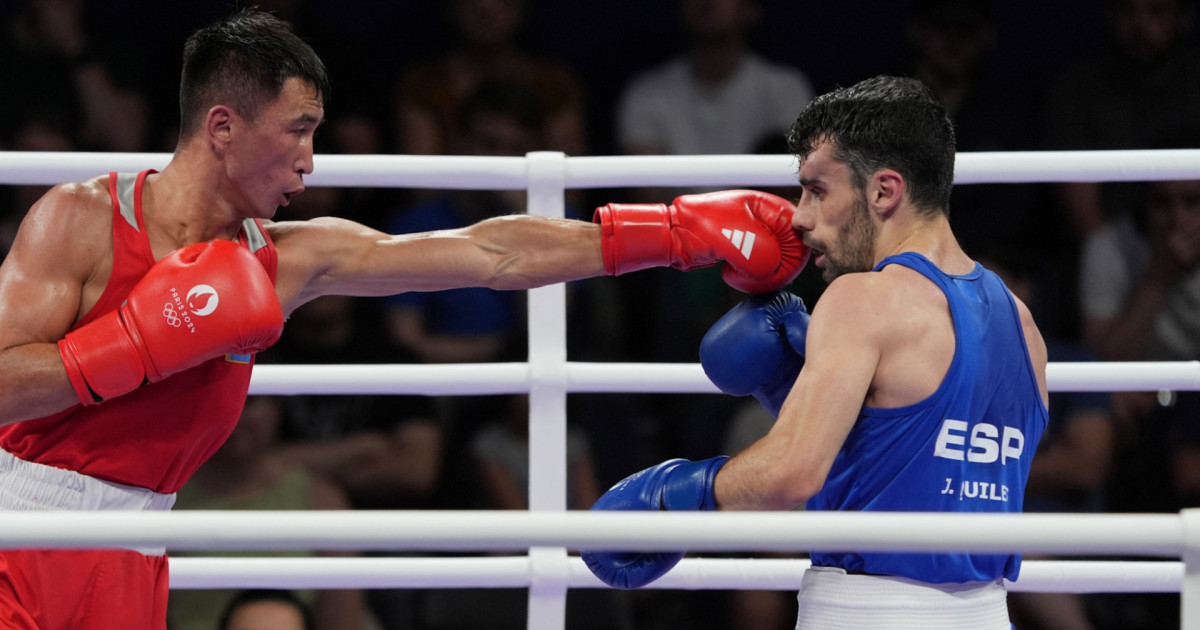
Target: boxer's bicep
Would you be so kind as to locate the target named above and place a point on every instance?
(56, 250)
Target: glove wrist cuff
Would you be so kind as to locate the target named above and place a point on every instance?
(690, 485)
(634, 236)
(100, 360)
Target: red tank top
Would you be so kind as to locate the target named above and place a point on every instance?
(158, 435)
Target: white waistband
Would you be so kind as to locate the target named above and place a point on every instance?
(31, 486)
(831, 599)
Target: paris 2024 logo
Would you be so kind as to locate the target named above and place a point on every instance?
(199, 301)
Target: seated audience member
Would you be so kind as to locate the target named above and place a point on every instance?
(717, 96)
(488, 50)
(1129, 94)
(262, 609)
(250, 472)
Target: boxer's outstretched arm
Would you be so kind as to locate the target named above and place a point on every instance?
(334, 256)
(751, 231)
(41, 286)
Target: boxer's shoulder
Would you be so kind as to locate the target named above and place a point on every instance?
(879, 307)
(74, 218)
(856, 295)
(82, 201)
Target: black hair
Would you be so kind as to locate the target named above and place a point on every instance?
(243, 61)
(884, 122)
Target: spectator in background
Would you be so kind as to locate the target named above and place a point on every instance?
(251, 472)
(49, 53)
(429, 94)
(261, 609)
(716, 97)
(384, 452)
(1140, 284)
(1143, 84)
(1139, 287)
(501, 454)
(1141, 278)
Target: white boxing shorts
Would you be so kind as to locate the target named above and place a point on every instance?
(831, 599)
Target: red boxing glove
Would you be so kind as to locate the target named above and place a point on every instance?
(200, 302)
(750, 230)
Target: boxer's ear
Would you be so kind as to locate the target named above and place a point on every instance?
(885, 192)
(218, 124)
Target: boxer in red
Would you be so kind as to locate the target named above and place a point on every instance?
(131, 305)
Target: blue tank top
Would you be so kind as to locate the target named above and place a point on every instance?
(965, 448)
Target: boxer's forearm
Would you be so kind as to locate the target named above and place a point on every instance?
(532, 251)
(755, 480)
(33, 383)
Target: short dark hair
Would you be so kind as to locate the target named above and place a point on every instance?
(884, 122)
(243, 61)
(254, 596)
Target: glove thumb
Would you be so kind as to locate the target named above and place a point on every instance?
(795, 329)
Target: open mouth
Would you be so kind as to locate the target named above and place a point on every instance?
(287, 196)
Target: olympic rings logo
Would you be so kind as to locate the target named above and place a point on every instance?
(171, 315)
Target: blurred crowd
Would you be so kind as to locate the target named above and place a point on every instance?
(1110, 271)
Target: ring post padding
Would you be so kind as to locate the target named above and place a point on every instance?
(548, 580)
(547, 352)
(547, 321)
(1189, 600)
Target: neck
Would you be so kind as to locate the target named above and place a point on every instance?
(930, 237)
(188, 207)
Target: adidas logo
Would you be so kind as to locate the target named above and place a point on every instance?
(744, 241)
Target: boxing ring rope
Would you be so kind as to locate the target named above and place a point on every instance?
(665, 378)
(512, 173)
(767, 574)
(547, 530)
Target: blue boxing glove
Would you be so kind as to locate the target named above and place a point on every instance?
(676, 484)
(757, 348)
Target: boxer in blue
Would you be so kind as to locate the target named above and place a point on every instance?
(917, 384)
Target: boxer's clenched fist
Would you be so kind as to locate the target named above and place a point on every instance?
(751, 231)
(200, 302)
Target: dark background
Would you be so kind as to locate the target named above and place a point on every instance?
(366, 42)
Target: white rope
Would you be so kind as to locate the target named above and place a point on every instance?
(1037, 576)
(1048, 534)
(510, 173)
(318, 573)
(511, 378)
